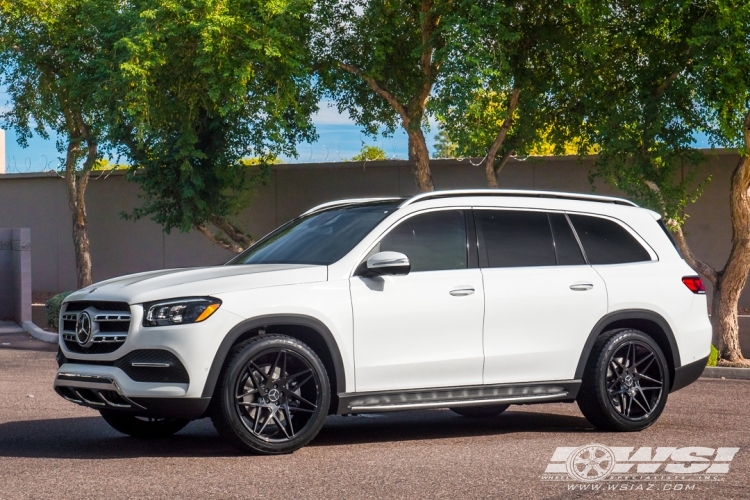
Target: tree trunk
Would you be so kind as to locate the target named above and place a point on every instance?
(491, 170)
(731, 280)
(76, 191)
(420, 158)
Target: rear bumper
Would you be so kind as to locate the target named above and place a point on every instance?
(687, 374)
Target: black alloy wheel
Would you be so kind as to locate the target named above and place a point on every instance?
(635, 381)
(626, 382)
(273, 397)
(143, 427)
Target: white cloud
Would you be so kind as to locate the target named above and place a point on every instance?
(328, 114)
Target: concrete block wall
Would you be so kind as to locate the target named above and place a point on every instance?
(6, 274)
(15, 274)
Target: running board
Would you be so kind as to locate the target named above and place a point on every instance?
(445, 397)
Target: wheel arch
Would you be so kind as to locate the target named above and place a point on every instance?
(649, 322)
(307, 329)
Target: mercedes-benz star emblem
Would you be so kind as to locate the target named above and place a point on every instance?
(274, 395)
(83, 328)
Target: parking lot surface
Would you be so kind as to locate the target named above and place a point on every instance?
(50, 448)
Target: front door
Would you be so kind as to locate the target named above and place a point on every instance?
(423, 329)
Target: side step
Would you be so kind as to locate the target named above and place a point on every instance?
(536, 392)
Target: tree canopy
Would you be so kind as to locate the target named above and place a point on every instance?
(198, 86)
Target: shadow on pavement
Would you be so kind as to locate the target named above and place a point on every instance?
(92, 438)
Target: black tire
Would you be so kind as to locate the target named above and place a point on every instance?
(254, 418)
(625, 383)
(143, 427)
(484, 411)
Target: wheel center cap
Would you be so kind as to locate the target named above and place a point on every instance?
(628, 380)
(274, 395)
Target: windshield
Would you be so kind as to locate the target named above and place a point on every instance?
(320, 238)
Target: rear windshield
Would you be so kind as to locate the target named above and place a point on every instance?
(320, 238)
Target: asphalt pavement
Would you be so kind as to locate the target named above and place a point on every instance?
(50, 448)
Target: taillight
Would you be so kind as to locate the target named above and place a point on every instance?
(694, 283)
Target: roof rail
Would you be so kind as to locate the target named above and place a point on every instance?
(351, 201)
(517, 193)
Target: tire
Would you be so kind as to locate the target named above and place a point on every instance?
(480, 411)
(143, 427)
(625, 383)
(272, 397)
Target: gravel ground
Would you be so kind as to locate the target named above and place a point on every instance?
(50, 448)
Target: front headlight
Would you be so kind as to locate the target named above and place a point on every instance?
(180, 311)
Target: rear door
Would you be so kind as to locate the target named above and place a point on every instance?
(541, 298)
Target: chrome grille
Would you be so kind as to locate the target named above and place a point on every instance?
(108, 326)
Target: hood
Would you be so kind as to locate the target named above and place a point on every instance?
(198, 281)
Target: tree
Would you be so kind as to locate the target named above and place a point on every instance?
(51, 61)
(199, 86)
(505, 75)
(658, 72)
(379, 60)
(444, 147)
(370, 153)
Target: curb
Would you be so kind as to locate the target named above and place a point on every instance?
(40, 334)
(726, 372)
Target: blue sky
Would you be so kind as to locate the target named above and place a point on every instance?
(339, 139)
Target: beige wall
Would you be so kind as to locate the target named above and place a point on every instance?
(37, 201)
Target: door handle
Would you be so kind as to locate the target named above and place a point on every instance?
(462, 291)
(581, 287)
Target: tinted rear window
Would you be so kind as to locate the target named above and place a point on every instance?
(606, 242)
(566, 246)
(516, 238)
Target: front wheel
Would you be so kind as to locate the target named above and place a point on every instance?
(143, 427)
(625, 383)
(273, 395)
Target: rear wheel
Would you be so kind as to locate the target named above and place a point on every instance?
(480, 411)
(143, 427)
(273, 395)
(625, 383)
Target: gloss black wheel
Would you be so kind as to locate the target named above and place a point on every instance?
(274, 395)
(626, 382)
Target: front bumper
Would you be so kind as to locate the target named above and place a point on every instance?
(102, 392)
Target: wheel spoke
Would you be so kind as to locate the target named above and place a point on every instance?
(648, 356)
(272, 370)
(633, 398)
(645, 400)
(290, 378)
(650, 379)
(297, 408)
(297, 396)
(246, 394)
(251, 405)
(278, 422)
(289, 417)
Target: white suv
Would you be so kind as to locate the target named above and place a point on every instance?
(468, 300)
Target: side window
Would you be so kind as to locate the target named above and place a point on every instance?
(606, 242)
(566, 247)
(433, 241)
(516, 238)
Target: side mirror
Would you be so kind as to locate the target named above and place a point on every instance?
(387, 263)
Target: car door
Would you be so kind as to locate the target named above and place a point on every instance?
(423, 329)
(542, 299)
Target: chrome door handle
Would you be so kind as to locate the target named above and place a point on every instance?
(462, 291)
(581, 287)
